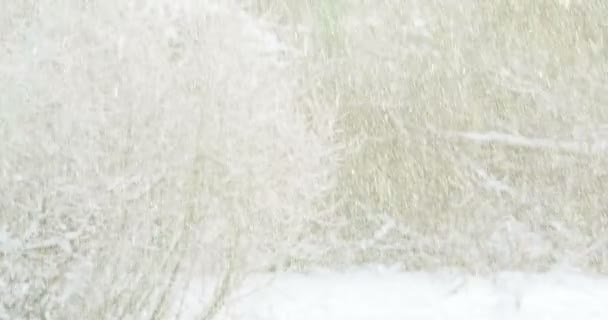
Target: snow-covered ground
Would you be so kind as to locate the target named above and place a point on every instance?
(384, 294)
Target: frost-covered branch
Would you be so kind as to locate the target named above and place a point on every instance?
(539, 144)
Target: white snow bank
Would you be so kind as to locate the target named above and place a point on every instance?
(381, 294)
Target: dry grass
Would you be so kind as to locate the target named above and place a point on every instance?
(144, 143)
(411, 79)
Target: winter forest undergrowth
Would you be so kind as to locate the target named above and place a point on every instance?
(147, 143)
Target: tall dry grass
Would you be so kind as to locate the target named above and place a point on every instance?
(144, 144)
(476, 130)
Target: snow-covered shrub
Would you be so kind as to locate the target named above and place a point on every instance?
(142, 143)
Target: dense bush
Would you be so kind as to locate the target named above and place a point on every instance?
(143, 142)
